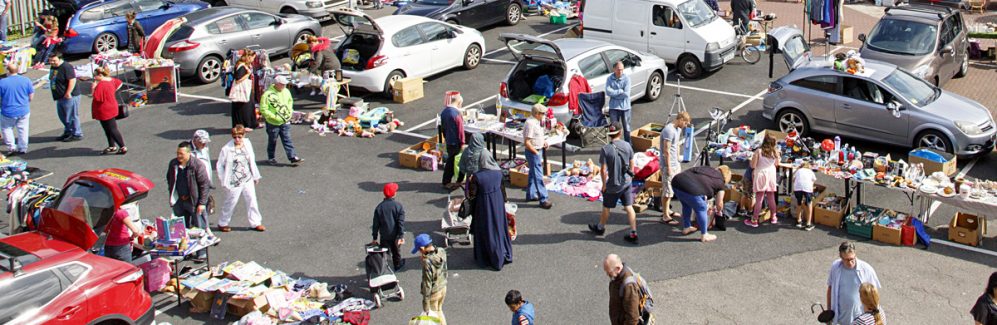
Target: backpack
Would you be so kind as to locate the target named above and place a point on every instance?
(646, 298)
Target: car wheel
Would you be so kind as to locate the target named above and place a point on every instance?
(302, 37)
(209, 69)
(452, 22)
(790, 119)
(218, 3)
(654, 85)
(472, 57)
(513, 14)
(105, 42)
(964, 68)
(392, 77)
(690, 67)
(934, 140)
(288, 10)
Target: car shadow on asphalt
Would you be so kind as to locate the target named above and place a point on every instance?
(188, 107)
(185, 134)
(53, 152)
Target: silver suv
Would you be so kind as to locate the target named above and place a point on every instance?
(930, 42)
(883, 104)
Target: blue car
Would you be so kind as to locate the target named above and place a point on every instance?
(99, 26)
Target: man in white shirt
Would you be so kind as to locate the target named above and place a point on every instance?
(535, 139)
(847, 274)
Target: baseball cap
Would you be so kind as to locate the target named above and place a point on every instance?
(422, 240)
(202, 135)
(615, 128)
(281, 80)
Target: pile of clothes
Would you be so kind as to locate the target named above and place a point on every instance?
(358, 123)
(580, 179)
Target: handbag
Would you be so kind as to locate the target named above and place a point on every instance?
(466, 208)
(240, 91)
(122, 111)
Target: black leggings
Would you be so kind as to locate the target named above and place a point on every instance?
(111, 132)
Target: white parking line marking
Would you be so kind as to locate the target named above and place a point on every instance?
(433, 120)
(732, 110)
(541, 35)
(498, 61)
(713, 91)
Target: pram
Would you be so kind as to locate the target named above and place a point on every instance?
(380, 277)
(454, 228)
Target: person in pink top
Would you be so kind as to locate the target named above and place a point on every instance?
(763, 163)
(119, 240)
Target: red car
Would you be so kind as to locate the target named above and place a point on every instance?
(50, 275)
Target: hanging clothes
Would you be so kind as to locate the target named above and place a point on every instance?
(25, 202)
(577, 85)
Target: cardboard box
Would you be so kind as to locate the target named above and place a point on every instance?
(755, 39)
(406, 90)
(967, 229)
(847, 33)
(827, 217)
(200, 302)
(521, 180)
(779, 136)
(241, 307)
(644, 139)
(886, 234)
(409, 159)
(948, 167)
(653, 181)
(733, 194)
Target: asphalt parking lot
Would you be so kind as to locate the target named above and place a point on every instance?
(318, 214)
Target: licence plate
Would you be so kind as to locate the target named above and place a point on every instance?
(729, 56)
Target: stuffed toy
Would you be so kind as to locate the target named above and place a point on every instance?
(839, 62)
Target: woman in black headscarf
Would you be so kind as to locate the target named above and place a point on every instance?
(492, 243)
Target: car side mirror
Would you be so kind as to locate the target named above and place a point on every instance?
(862, 37)
(947, 49)
(894, 107)
(451, 34)
(277, 22)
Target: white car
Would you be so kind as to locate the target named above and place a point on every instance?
(560, 59)
(375, 53)
(318, 9)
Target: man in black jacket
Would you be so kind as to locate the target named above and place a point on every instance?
(189, 183)
(389, 223)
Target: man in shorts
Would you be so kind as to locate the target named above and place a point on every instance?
(617, 163)
(670, 165)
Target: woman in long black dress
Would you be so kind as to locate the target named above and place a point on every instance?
(241, 93)
(492, 244)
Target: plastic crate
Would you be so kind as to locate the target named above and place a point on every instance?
(558, 19)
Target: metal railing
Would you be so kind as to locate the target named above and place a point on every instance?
(21, 15)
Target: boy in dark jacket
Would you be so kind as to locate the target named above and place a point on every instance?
(389, 224)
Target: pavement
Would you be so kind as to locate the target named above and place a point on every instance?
(318, 214)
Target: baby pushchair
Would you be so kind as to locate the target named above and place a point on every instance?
(455, 229)
(380, 277)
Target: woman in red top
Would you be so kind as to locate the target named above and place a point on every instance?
(119, 241)
(105, 109)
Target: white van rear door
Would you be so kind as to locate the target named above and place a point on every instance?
(667, 33)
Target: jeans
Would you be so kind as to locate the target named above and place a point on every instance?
(8, 124)
(69, 114)
(693, 204)
(535, 188)
(3, 26)
(623, 117)
(284, 132)
(122, 253)
(452, 152)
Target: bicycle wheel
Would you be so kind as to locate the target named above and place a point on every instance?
(751, 54)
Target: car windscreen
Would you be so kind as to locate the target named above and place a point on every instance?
(182, 33)
(434, 2)
(902, 37)
(87, 200)
(914, 89)
(696, 13)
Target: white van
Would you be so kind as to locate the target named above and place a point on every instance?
(686, 33)
(318, 9)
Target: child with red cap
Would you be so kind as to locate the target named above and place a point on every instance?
(389, 224)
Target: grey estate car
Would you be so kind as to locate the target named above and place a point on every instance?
(200, 45)
(885, 104)
(930, 42)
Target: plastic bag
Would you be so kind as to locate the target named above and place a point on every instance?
(424, 319)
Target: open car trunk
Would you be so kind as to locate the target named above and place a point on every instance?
(357, 49)
(522, 81)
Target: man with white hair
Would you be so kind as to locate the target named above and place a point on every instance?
(16, 93)
(452, 125)
(277, 106)
(624, 292)
(535, 139)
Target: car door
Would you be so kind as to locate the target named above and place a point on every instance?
(638, 77)
(666, 39)
(861, 112)
(265, 32)
(448, 52)
(229, 33)
(472, 13)
(815, 97)
(947, 61)
(29, 298)
(153, 13)
(414, 53)
(254, 4)
(594, 68)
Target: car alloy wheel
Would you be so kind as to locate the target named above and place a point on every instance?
(302, 37)
(791, 121)
(105, 42)
(514, 14)
(654, 86)
(472, 57)
(210, 69)
(933, 141)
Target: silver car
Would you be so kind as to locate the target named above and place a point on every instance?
(884, 104)
(561, 59)
(203, 41)
(930, 42)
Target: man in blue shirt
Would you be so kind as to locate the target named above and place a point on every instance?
(452, 125)
(618, 90)
(16, 93)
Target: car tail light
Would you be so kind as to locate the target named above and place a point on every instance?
(185, 45)
(774, 87)
(130, 277)
(504, 90)
(558, 100)
(377, 61)
(71, 33)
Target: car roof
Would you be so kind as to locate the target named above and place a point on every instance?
(931, 13)
(573, 47)
(209, 14)
(393, 23)
(822, 67)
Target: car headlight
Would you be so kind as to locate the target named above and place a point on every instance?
(712, 46)
(922, 71)
(969, 128)
(314, 4)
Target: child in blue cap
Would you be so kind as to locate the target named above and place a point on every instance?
(434, 275)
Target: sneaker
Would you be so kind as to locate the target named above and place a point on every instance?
(296, 160)
(546, 205)
(799, 225)
(809, 227)
(597, 229)
(63, 137)
(750, 223)
(73, 138)
(631, 237)
(224, 228)
(400, 266)
(272, 162)
(774, 221)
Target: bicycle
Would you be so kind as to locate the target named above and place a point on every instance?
(751, 54)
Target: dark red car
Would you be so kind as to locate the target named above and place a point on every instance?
(50, 276)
